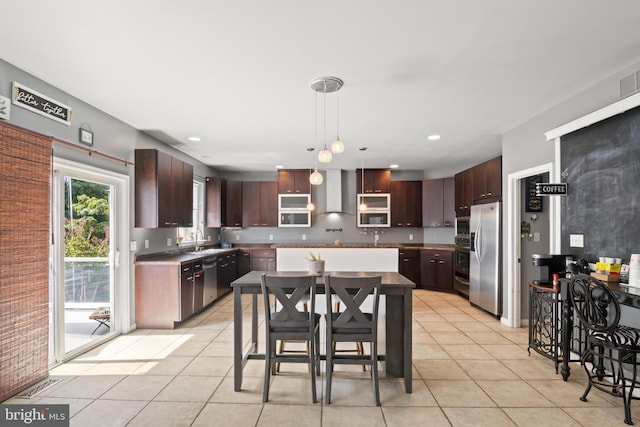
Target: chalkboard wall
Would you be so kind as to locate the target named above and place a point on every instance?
(601, 165)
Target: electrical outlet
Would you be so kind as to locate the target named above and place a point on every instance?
(304, 237)
(237, 237)
(146, 244)
(576, 240)
(376, 237)
(133, 246)
(169, 241)
(270, 236)
(536, 237)
(410, 236)
(208, 237)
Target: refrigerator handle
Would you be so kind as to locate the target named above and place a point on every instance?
(477, 242)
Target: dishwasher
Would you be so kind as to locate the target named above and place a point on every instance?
(210, 266)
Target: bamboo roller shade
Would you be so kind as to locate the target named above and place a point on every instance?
(25, 172)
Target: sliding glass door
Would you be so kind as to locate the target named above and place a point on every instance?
(82, 306)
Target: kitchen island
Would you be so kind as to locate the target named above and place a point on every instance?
(343, 257)
(397, 290)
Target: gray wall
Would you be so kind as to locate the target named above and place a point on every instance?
(524, 146)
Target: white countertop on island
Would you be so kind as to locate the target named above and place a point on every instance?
(339, 258)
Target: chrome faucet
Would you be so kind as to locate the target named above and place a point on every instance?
(195, 241)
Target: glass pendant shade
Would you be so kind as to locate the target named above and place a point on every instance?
(337, 146)
(362, 207)
(311, 206)
(315, 178)
(324, 156)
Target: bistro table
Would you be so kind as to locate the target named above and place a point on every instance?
(397, 291)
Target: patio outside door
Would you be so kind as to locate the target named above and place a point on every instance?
(82, 290)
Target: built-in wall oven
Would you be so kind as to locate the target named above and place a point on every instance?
(461, 262)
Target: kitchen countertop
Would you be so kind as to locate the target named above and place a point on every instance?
(178, 256)
(428, 246)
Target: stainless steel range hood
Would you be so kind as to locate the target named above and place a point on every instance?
(334, 190)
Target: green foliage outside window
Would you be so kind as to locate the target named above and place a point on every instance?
(86, 224)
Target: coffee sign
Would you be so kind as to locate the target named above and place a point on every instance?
(41, 104)
(549, 189)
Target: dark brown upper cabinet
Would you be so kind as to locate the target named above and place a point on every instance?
(163, 190)
(294, 181)
(406, 203)
(259, 203)
(375, 181)
(487, 181)
(438, 202)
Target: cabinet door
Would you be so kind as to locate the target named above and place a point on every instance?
(234, 203)
(448, 206)
(251, 204)
(433, 207)
(198, 291)
(244, 262)
(165, 190)
(409, 265)
(463, 192)
(445, 271)
(186, 291)
(398, 204)
(413, 207)
(493, 178)
(428, 270)
(286, 181)
(183, 199)
(269, 204)
(215, 202)
(302, 184)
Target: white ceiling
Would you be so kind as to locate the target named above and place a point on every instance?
(236, 73)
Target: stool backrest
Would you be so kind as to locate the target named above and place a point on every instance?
(353, 291)
(290, 292)
(594, 304)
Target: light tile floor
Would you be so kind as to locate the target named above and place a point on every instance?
(468, 370)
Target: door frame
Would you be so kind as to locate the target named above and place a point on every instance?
(121, 322)
(514, 195)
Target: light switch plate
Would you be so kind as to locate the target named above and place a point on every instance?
(576, 240)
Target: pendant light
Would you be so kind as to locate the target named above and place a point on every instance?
(316, 177)
(327, 85)
(337, 146)
(324, 156)
(363, 205)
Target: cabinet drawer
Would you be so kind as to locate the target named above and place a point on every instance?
(263, 253)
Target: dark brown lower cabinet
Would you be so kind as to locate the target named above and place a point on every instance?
(436, 269)
(409, 264)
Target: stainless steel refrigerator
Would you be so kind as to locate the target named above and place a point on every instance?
(485, 274)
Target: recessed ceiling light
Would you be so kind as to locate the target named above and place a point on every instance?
(393, 166)
(279, 167)
(194, 139)
(433, 137)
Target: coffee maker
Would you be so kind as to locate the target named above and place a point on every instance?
(550, 264)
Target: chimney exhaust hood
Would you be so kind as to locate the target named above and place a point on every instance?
(334, 190)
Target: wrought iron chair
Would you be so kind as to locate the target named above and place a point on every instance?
(611, 349)
(353, 324)
(290, 323)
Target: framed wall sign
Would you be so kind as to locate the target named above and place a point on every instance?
(86, 137)
(533, 202)
(41, 104)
